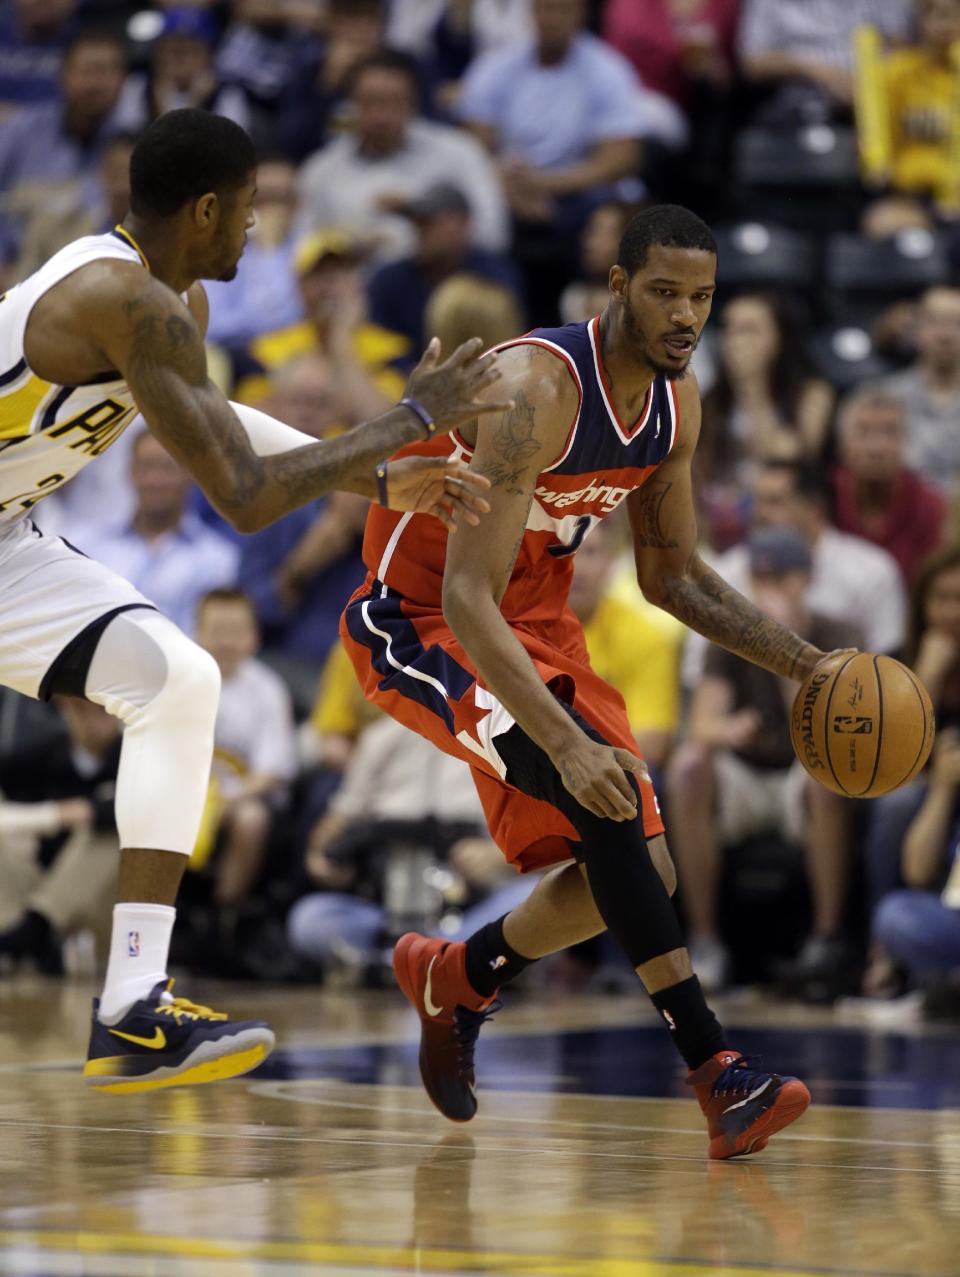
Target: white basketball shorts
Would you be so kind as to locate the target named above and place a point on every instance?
(49, 594)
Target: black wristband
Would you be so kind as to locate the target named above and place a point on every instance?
(429, 425)
(381, 474)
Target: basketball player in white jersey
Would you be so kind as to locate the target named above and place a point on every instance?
(113, 324)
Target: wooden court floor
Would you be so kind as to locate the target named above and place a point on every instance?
(587, 1159)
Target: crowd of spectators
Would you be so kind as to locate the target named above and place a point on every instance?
(454, 167)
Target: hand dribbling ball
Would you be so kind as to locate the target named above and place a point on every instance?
(863, 726)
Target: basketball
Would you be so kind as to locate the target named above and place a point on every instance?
(864, 726)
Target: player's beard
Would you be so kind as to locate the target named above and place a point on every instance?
(640, 346)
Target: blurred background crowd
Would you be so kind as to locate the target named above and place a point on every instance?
(461, 167)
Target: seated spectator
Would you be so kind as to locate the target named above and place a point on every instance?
(182, 73)
(802, 53)
(930, 389)
(163, 549)
(933, 653)
(851, 580)
(328, 266)
(254, 752)
(315, 98)
(57, 146)
(391, 157)
(404, 810)
(268, 44)
(766, 402)
(675, 45)
(919, 926)
(736, 775)
(465, 306)
(33, 34)
(445, 37)
(399, 291)
(906, 108)
(300, 570)
(73, 212)
(625, 648)
(599, 248)
(263, 296)
(564, 114)
(875, 495)
(59, 850)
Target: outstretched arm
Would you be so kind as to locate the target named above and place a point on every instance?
(672, 575)
(147, 333)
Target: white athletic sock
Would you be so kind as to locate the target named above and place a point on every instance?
(139, 946)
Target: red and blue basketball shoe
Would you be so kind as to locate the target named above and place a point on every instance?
(744, 1104)
(432, 975)
(168, 1041)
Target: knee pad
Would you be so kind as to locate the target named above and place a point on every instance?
(165, 689)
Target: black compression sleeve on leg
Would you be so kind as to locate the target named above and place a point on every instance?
(628, 891)
(490, 961)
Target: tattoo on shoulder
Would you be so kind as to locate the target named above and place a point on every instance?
(514, 444)
(646, 515)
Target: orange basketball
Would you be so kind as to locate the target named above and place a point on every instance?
(863, 726)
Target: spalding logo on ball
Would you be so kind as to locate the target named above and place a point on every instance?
(863, 727)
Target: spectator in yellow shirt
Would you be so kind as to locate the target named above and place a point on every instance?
(907, 107)
(638, 656)
(328, 267)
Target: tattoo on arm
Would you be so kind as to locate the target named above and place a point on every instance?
(707, 604)
(514, 445)
(648, 533)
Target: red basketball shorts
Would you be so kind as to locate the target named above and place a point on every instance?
(410, 664)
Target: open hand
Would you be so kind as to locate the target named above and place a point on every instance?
(437, 486)
(449, 391)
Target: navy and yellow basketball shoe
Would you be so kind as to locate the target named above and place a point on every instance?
(168, 1041)
(744, 1104)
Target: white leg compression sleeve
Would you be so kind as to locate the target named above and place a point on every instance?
(165, 689)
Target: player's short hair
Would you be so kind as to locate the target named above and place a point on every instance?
(183, 155)
(662, 226)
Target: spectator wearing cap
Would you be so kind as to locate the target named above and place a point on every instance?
(263, 297)
(54, 149)
(391, 157)
(329, 270)
(182, 73)
(399, 291)
(875, 495)
(736, 775)
(32, 41)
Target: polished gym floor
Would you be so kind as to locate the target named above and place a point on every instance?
(587, 1158)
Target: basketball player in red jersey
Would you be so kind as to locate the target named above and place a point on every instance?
(470, 642)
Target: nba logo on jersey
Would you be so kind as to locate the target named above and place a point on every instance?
(133, 944)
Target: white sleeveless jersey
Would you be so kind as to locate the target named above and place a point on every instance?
(48, 433)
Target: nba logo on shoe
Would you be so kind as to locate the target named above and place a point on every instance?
(133, 944)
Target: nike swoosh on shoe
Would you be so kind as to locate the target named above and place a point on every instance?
(429, 1005)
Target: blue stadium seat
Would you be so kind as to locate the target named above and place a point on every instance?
(862, 275)
(806, 178)
(845, 356)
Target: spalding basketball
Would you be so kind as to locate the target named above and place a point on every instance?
(862, 726)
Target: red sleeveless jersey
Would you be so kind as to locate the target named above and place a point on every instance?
(603, 460)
